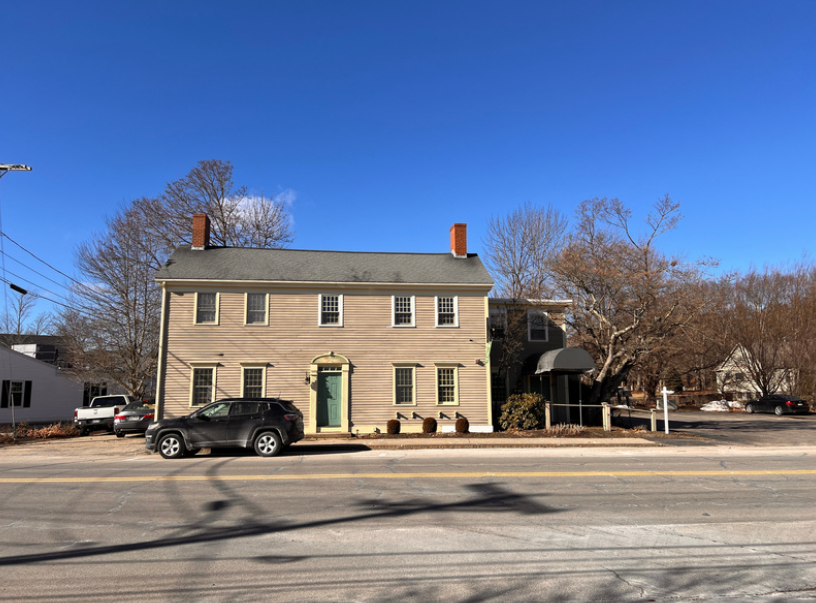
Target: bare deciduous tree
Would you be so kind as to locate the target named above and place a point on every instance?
(112, 335)
(628, 297)
(18, 320)
(695, 350)
(519, 248)
(771, 325)
(238, 219)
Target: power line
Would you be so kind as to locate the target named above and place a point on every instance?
(84, 286)
(13, 259)
(53, 301)
(22, 278)
(3, 234)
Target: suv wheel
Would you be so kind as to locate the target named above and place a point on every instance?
(749, 408)
(171, 446)
(268, 444)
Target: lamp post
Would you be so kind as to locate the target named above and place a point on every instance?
(5, 168)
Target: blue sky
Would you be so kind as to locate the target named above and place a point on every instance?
(387, 121)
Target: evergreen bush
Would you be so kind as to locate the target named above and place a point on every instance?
(522, 411)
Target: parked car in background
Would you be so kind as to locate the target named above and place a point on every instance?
(266, 424)
(100, 413)
(779, 404)
(133, 418)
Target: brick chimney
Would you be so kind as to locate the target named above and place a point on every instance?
(201, 231)
(458, 234)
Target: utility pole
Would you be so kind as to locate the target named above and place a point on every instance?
(5, 168)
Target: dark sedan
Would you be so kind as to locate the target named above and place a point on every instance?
(779, 404)
(266, 425)
(133, 418)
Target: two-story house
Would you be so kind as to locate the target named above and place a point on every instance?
(528, 342)
(354, 339)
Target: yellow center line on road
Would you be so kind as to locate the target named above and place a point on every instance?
(448, 475)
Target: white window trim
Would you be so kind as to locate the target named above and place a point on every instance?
(394, 312)
(320, 310)
(217, 308)
(531, 312)
(249, 365)
(202, 365)
(455, 312)
(266, 310)
(403, 365)
(447, 365)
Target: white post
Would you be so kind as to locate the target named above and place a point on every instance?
(665, 393)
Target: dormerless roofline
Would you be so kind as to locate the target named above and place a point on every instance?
(319, 284)
(536, 302)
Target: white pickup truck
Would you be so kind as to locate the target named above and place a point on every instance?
(99, 414)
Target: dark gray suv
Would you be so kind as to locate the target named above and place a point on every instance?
(265, 424)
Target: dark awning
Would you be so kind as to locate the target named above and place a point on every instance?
(565, 360)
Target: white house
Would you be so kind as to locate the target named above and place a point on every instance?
(736, 375)
(39, 392)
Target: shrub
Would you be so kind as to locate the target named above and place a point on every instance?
(462, 425)
(429, 425)
(392, 427)
(56, 430)
(522, 411)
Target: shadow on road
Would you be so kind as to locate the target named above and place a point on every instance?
(489, 498)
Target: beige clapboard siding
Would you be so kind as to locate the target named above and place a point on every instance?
(293, 338)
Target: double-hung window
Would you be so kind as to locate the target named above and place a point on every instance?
(537, 325)
(253, 382)
(203, 386)
(256, 306)
(447, 384)
(206, 312)
(331, 310)
(404, 384)
(16, 393)
(402, 311)
(498, 323)
(447, 312)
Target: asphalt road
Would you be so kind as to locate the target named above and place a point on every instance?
(733, 428)
(677, 523)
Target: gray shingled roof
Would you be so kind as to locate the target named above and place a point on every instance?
(245, 264)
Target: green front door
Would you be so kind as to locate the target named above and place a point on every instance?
(329, 397)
